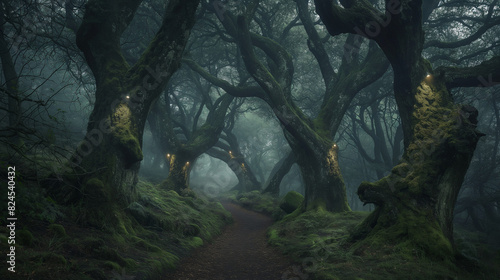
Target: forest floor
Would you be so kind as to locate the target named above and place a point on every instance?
(241, 252)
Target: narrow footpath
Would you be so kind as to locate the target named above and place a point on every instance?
(241, 253)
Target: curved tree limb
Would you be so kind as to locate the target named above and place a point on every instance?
(485, 74)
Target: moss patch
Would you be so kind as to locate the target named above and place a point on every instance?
(291, 201)
(143, 248)
(258, 202)
(319, 241)
(125, 134)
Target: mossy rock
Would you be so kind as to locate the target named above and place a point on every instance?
(291, 201)
(24, 237)
(195, 242)
(58, 230)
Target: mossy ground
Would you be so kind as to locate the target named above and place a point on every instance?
(50, 244)
(256, 201)
(318, 240)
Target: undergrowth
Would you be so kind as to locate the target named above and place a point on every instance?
(256, 201)
(50, 244)
(319, 241)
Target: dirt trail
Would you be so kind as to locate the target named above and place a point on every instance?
(241, 253)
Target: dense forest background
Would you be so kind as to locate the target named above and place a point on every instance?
(388, 107)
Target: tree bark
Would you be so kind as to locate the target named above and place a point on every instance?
(183, 155)
(106, 163)
(418, 197)
(415, 202)
(318, 164)
(279, 172)
(236, 162)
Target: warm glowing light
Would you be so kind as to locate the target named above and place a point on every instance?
(168, 155)
(187, 163)
(128, 97)
(335, 145)
(428, 76)
(230, 152)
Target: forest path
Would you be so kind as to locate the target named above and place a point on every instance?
(241, 252)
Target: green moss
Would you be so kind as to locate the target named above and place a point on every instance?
(411, 236)
(146, 252)
(129, 143)
(173, 193)
(57, 230)
(95, 187)
(319, 241)
(164, 262)
(125, 134)
(193, 242)
(111, 265)
(291, 201)
(52, 258)
(192, 230)
(256, 201)
(321, 128)
(141, 243)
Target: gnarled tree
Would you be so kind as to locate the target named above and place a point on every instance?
(106, 164)
(228, 150)
(179, 133)
(415, 202)
(309, 138)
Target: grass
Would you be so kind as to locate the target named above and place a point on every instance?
(256, 201)
(50, 244)
(319, 241)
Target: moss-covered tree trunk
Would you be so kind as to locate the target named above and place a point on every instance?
(183, 155)
(324, 186)
(415, 202)
(180, 168)
(310, 139)
(236, 162)
(106, 163)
